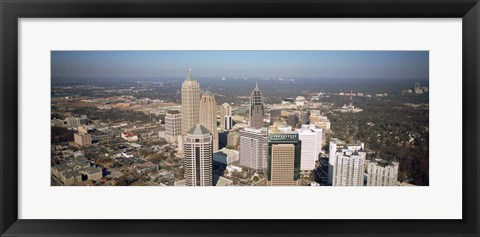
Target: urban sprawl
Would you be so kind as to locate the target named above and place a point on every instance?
(202, 143)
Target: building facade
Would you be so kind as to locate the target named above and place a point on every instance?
(282, 165)
(233, 139)
(382, 172)
(348, 165)
(190, 102)
(173, 125)
(226, 120)
(208, 116)
(283, 162)
(198, 156)
(253, 148)
(83, 139)
(257, 108)
(311, 138)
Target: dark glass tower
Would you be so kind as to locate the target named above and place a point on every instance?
(257, 109)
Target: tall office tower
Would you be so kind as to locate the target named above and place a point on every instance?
(190, 102)
(311, 138)
(198, 156)
(173, 125)
(382, 172)
(283, 162)
(348, 165)
(253, 148)
(226, 116)
(282, 165)
(257, 109)
(208, 116)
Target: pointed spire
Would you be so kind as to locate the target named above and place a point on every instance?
(256, 85)
(190, 76)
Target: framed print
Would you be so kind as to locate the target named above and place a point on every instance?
(239, 118)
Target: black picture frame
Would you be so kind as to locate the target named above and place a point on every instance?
(11, 11)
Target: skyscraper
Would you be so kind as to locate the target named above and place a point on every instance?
(282, 165)
(173, 125)
(253, 148)
(311, 138)
(198, 156)
(257, 109)
(226, 116)
(208, 116)
(190, 102)
(283, 162)
(348, 166)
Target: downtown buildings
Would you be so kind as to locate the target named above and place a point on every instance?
(198, 156)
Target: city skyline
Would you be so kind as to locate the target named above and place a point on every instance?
(387, 65)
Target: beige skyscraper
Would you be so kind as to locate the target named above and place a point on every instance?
(257, 109)
(208, 116)
(282, 165)
(198, 156)
(190, 102)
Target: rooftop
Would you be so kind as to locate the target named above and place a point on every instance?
(198, 130)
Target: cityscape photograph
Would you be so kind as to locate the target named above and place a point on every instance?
(239, 118)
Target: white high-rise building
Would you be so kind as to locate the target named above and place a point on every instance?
(173, 125)
(311, 138)
(381, 172)
(254, 148)
(226, 116)
(190, 102)
(198, 156)
(348, 165)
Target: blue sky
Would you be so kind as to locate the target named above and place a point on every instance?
(228, 63)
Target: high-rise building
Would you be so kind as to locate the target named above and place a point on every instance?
(253, 148)
(311, 138)
(257, 109)
(282, 165)
(348, 165)
(283, 162)
(226, 116)
(382, 172)
(198, 156)
(190, 102)
(173, 125)
(208, 116)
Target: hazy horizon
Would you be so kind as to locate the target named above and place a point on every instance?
(288, 64)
